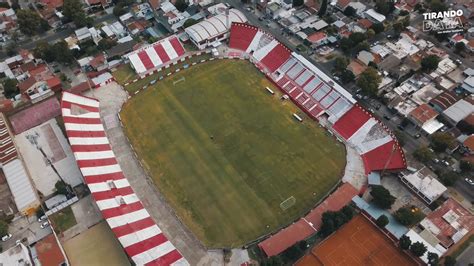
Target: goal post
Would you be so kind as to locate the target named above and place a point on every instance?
(288, 203)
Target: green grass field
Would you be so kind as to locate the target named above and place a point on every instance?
(226, 153)
(63, 219)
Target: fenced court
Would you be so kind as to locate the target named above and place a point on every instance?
(359, 242)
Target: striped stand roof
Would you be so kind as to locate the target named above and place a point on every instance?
(131, 223)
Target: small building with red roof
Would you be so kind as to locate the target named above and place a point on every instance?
(449, 223)
(317, 39)
(49, 252)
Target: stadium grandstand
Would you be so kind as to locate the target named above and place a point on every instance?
(319, 96)
(154, 56)
(215, 29)
(137, 232)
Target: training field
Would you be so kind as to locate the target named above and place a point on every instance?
(226, 153)
(358, 242)
(96, 246)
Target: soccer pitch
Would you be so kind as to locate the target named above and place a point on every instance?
(226, 153)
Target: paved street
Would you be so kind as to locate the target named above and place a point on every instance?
(25, 228)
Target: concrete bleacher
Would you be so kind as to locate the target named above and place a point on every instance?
(373, 141)
(262, 46)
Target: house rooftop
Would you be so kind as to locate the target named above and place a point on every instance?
(423, 114)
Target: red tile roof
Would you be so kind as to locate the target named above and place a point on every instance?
(49, 252)
(445, 99)
(53, 4)
(316, 37)
(53, 83)
(423, 114)
(343, 3)
(365, 23)
(39, 70)
(80, 88)
(469, 142)
(97, 61)
(155, 4)
(26, 84)
(446, 230)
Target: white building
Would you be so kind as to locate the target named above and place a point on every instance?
(374, 16)
(215, 29)
(424, 185)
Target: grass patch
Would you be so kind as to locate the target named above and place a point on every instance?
(125, 73)
(225, 153)
(63, 219)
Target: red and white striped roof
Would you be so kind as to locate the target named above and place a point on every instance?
(131, 223)
(156, 54)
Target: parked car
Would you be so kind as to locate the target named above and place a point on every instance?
(417, 136)
(42, 218)
(435, 160)
(386, 117)
(445, 162)
(6, 237)
(469, 181)
(44, 225)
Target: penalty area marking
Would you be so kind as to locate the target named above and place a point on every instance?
(288, 203)
(179, 80)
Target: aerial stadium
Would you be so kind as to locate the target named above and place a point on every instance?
(246, 146)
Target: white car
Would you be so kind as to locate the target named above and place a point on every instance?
(469, 181)
(6, 237)
(44, 225)
(42, 218)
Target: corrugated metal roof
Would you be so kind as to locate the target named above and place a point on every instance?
(214, 26)
(20, 185)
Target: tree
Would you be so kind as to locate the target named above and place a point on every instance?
(440, 141)
(106, 44)
(348, 212)
(297, 3)
(382, 197)
(398, 27)
(378, 27)
(30, 23)
(44, 51)
(437, 6)
(349, 11)
(346, 44)
(369, 81)
(62, 54)
(73, 11)
(61, 187)
(404, 242)
(448, 178)
(357, 37)
(465, 166)
(433, 259)
(347, 76)
(449, 261)
(404, 13)
(460, 47)
(273, 261)
(331, 221)
(340, 63)
(370, 33)
(323, 8)
(430, 63)
(119, 10)
(9, 88)
(423, 154)
(189, 22)
(382, 221)
(408, 215)
(3, 228)
(384, 7)
(418, 249)
(362, 46)
(181, 5)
